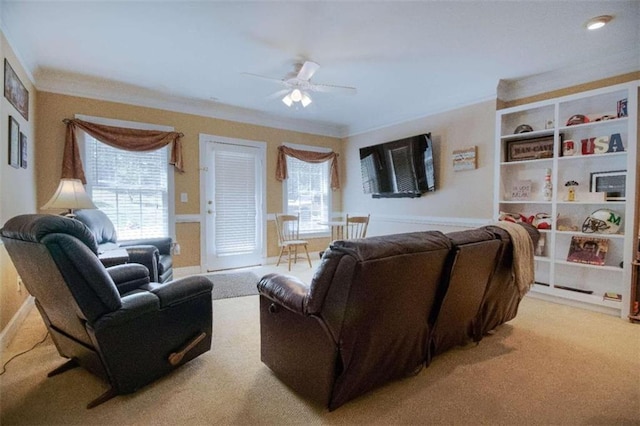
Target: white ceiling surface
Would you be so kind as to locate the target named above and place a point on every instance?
(406, 59)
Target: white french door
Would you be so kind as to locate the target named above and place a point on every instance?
(233, 202)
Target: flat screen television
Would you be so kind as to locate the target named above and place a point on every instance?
(402, 168)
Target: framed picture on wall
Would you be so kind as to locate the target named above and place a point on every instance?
(14, 143)
(15, 91)
(23, 150)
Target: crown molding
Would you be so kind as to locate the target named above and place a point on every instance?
(451, 105)
(605, 66)
(107, 90)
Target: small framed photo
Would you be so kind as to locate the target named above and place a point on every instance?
(23, 150)
(14, 143)
(612, 183)
(529, 149)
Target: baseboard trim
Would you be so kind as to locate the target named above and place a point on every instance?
(10, 331)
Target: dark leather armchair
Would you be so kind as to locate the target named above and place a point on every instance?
(154, 253)
(111, 321)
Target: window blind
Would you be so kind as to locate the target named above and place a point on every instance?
(308, 193)
(130, 187)
(236, 203)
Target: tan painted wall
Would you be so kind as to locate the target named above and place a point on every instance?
(17, 186)
(466, 194)
(53, 108)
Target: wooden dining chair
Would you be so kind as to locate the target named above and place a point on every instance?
(289, 237)
(357, 226)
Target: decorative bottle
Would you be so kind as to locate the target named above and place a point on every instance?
(547, 189)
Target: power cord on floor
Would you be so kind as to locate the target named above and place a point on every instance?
(4, 366)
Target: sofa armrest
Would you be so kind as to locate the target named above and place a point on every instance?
(162, 243)
(178, 291)
(129, 276)
(286, 290)
(146, 255)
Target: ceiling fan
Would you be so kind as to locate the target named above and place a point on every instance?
(298, 85)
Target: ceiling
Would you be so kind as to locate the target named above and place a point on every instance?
(406, 59)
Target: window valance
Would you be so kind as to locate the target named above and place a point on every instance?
(309, 157)
(118, 137)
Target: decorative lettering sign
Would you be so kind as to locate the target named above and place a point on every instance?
(464, 159)
(602, 144)
(529, 149)
(520, 190)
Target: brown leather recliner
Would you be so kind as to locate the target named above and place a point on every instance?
(128, 332)
(363, 320)
(471, 266)
(502, 297)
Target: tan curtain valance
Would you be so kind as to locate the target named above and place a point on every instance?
(309, 157)
(118, 137)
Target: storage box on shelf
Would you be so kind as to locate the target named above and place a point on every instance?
(587, 143)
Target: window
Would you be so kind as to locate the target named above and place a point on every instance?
(307, 193)
(132, 188)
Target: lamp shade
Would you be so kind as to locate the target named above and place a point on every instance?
(70, 195)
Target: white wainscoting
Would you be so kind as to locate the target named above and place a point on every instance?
(395, 224)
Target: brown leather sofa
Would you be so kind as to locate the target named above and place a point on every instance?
(378, 309)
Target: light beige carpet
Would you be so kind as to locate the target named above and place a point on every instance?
(233, 284)
(551, 365)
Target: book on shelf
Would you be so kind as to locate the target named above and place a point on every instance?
(588, 250)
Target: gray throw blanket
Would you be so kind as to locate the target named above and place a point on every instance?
(523, 260)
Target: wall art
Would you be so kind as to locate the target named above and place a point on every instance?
(14, 143)
(15, 91)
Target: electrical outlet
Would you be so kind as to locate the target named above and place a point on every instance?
(175, 248)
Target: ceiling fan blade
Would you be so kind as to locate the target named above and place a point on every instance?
(274, 80)
(278, 94)
(308, 69)
(329, 88)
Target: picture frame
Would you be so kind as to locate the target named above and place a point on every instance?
(14, 143)
(612, 183)
(14, 91)
(588, 250)
(534, 148)
(23, 150)
(465, 159)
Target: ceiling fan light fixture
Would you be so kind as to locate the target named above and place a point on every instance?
(306, 100)
(296, 95)
(598, 22)
(287, 100)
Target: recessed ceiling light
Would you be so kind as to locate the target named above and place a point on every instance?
(598, 22)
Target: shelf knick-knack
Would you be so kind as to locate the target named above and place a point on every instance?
(571, 190)
(547, 189)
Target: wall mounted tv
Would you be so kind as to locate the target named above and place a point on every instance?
(402, 168)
